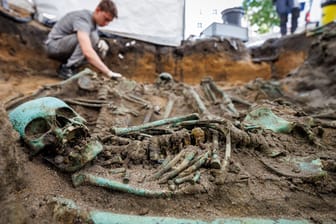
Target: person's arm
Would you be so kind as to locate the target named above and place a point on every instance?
(91, 55)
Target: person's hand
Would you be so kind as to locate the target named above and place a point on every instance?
(114, 75)
(103, 47)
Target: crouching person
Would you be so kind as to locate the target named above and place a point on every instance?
(74, 39)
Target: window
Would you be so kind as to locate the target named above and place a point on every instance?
(199, 25)
(214, 11)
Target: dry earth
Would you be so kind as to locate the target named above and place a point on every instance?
(293, 76)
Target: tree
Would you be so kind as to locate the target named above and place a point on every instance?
(261, 14)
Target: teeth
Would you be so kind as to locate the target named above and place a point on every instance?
(70, 128)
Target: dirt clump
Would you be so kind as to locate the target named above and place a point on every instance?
(12, 174)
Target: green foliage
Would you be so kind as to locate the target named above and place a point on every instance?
(261, 14)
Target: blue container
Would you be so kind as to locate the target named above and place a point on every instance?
(302, 5)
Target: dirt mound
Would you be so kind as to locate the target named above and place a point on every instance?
(11, 175)
(203, 149)
(314, 82)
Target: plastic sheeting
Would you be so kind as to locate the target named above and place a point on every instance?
(156, 21)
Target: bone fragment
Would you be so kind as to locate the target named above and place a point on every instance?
(121, 131)
(169, 165)
(202, 159)
(169, 106)
(227, 151)
(185, 163)
(215, 161)
(85, 178)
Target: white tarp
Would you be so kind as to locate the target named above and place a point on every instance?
(156, 21)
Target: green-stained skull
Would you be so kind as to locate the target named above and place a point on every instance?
(49, 124)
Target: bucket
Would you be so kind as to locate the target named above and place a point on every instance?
(233, 16)
(328, 11)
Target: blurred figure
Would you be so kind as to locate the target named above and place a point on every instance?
(283, 8)
(295, 15)
(4, 4)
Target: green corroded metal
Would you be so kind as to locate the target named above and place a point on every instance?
(107, 217)
(81, 178)
(117, 170)
(173, 120)
(259, 221)
(42, 112)
(168, 164)
(201, 106)
(308, 167)
(264, 118)
(92, 149)
(179, 168)
(197, 177)
(201, 160)
(65, 208)
(42, 107)
(99, 217)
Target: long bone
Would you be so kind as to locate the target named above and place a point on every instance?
(122, 131)
(169, 106)
(225, 99)
(200, 160)
(82, 178)
(185, 163)
(215, 161)
(67, 211)
(227, 151)
(20, 100)
(148, 115)
(209, 93)
(85, 104)
(143, 104)
(200, 105)
(140, 99)
(169, 165)
(192, 178)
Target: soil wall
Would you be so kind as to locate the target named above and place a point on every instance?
(22, 52)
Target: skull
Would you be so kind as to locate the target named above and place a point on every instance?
(164, 80)
(49, 124)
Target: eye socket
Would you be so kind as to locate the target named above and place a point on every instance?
(63, 115)
(65, 112)
(36, 128)
(61, 121)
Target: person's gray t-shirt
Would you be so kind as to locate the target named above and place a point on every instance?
(71, 23)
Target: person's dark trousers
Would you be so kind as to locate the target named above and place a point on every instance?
(283, 23)
(295, 17)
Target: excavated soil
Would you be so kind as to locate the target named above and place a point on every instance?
(292, 76)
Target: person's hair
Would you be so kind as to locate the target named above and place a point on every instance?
(108, 6)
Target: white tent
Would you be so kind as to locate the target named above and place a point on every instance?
(156, 21)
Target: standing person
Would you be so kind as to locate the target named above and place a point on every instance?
(295, 15)
(74, 39)
(283, 8)
(4, 4)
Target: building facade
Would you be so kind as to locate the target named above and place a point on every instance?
(199, 14)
